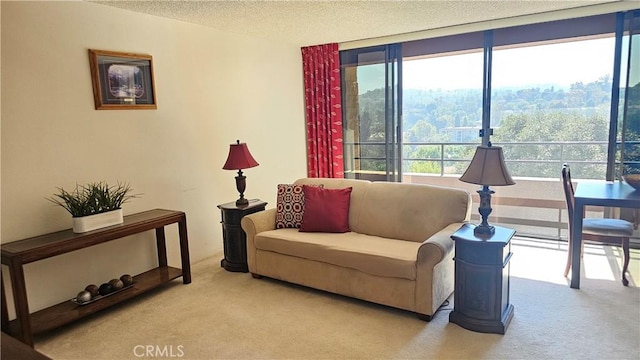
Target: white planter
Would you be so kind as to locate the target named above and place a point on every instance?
(93, 222)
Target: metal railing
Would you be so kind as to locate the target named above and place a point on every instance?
(445, 157)
(535, 206)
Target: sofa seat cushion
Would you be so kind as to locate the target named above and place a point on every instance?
(370, 254)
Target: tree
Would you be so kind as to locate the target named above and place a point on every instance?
(537, 142)
(540, 119)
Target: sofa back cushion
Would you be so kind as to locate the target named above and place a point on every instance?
(412, 212)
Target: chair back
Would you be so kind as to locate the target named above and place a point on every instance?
(567, 185)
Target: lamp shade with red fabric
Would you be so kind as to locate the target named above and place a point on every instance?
(240, 158)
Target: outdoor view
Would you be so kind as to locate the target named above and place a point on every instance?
(549, 104)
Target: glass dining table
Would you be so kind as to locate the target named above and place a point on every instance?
(609, 194)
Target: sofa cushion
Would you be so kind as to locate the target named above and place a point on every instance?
(325, 210)
(358, 189)
(412, 212)
(370, 254)
(289, 206)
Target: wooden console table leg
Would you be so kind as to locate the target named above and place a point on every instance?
(20, 300)
(184, 250)
(161, 245)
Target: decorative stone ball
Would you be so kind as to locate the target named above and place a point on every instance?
(633, 180)
(105, 289)
(126, 279)
(116, 284)
(93, 290)
(83, 296)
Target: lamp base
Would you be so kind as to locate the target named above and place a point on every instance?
(484, 230)
(241, 185)
(242, 202)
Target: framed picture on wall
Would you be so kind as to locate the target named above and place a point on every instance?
(122, 80)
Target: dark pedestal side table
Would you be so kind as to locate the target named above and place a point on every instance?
(481, 298)
(234, 238)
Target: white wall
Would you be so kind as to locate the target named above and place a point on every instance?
(212, 88)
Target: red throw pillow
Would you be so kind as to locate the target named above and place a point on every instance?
(326, 210)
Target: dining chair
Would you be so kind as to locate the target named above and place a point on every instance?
(609, 231)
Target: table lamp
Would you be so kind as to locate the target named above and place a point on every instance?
(487, 168)
(240, 158)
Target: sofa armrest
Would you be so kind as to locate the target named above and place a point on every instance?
(433, 250)
(435, 270)
(254, 224)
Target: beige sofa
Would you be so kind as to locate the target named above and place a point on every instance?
(398, 253)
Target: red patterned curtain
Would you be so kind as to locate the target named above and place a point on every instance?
(321, 66)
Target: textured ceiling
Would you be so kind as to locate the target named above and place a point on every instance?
(318, 22)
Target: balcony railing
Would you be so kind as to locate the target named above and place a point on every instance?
(534, 206)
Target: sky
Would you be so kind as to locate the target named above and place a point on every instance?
(560, 64)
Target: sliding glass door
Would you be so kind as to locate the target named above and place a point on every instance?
(550, 103)
(628, 134)
(442, 108)
(625, 149)
(372, 92)
(548, 93)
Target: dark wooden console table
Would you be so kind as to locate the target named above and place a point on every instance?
(16, 254)
(13, 349)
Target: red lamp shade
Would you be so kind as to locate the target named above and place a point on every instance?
(239, 157)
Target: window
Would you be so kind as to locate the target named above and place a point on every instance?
(550, 104)
(627, 151)
(442, 106)
(414, 111)
(371, 83)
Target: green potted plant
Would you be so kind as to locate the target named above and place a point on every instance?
(94, 205)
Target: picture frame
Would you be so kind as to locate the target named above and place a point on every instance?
(122, 80)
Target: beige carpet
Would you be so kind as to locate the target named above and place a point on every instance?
(224, 315)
